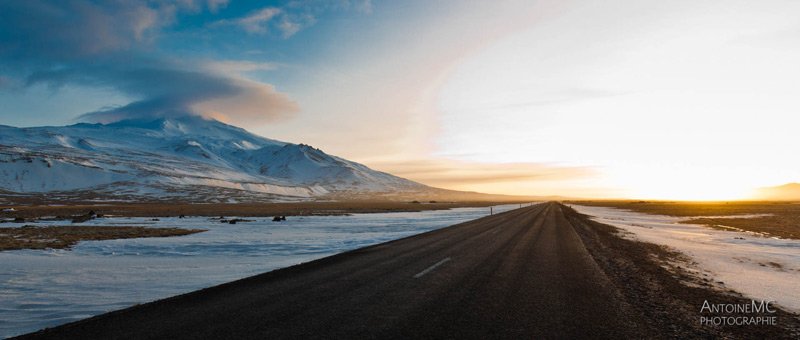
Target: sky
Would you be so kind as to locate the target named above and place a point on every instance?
(612, 99)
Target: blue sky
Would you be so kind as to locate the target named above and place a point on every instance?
(621, 98)
(62, 59)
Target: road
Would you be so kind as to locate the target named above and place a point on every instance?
(521, 274)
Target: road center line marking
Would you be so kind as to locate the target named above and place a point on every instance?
(427, 270)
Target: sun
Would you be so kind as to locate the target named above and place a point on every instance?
(683, 183)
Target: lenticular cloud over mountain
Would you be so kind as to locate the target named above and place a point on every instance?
(173, 92)
(110, 46)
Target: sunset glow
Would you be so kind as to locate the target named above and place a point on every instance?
(415, 169)
(653, 99)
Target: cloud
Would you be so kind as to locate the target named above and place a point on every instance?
(291, 24)
(103, 45)
(169, 92)
(271, 19)
(253, 103)
(538, 179)
(215, 5)
(449, 173)
(293, 17)
(35, 30)
(363, 6)
(257, 22)
(239, 66)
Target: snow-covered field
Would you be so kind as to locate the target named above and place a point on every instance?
(762, 268)
(47, 288)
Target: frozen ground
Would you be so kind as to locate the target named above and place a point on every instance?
(762, 268)
(47, 288)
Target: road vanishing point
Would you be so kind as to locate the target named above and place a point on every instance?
(524, 273)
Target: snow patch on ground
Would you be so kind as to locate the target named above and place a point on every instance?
(46, 288)
(255, 187)
(41, 175)
(762, 268)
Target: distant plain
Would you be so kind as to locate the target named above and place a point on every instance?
(774, 219)
(238, 209)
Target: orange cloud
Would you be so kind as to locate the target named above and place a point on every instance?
(501, 178)
(255, 103)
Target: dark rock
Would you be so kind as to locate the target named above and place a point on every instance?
(83, 218)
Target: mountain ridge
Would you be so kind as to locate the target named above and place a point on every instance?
(186, 157)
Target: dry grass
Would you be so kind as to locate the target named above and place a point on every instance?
(60, 237)
(239, 209)
(784, 221)
(659, 284)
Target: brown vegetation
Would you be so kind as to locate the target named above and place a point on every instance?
(238, 209)
(59, 237)
(784, 219)
(661, 288)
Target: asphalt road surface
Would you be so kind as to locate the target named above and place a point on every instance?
(521, 274)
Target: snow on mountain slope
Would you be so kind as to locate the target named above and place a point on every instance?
(178, 157)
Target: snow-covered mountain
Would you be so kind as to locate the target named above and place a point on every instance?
(179, 158)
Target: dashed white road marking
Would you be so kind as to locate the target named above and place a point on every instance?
(427, 270)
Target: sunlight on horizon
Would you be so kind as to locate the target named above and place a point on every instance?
(622, 98)
(693, 104)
